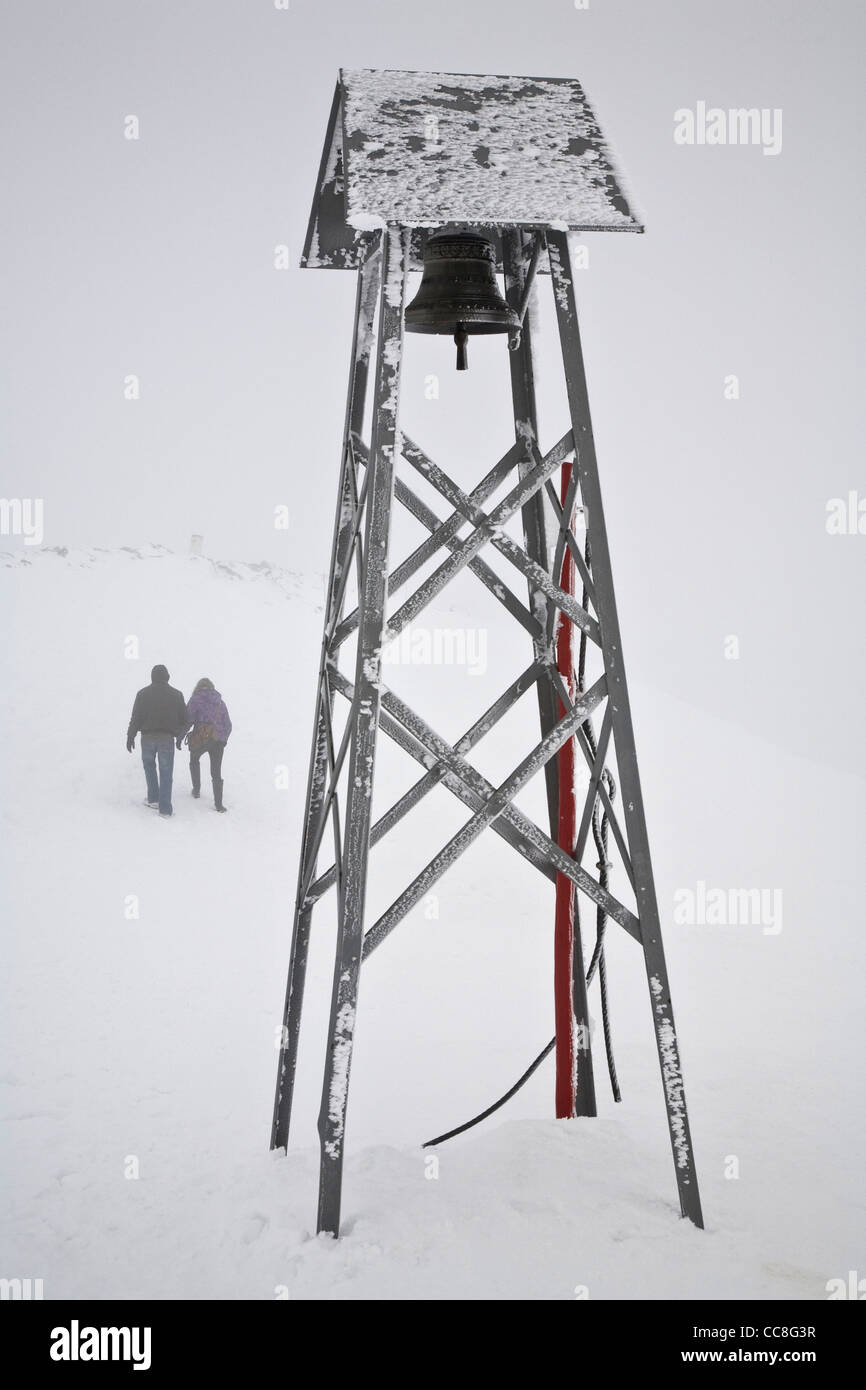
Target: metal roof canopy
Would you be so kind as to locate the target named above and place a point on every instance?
(424, 150)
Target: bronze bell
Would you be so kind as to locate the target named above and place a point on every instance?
(459, 293)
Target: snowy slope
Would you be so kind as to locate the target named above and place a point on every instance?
(152, 1038)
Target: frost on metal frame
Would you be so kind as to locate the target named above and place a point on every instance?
(672, 1076)
(340, 1080)
(524, 160)
(509, 151)
(510, 148)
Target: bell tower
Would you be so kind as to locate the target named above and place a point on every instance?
(518, 165)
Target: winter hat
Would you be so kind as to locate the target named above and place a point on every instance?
(203, 684)
(159, 673)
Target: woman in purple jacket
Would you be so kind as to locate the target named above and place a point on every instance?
(209, 728)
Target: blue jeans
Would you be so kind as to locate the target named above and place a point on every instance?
(158, 749)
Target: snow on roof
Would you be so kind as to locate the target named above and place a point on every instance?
(432, 149)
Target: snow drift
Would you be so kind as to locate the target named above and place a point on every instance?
(145, 966)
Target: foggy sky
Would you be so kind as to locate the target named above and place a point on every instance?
(155, 257)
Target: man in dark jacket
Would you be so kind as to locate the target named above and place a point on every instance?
(159, 715)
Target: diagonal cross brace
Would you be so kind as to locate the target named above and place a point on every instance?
(498, 803)
(596, 768)
(417, 738)
(489, 578)
(419, 790)
(567, 534)
(505, 544)
(466, 550)
(355, 547)
(535, 841)
(612, 818)
(456, 783)
(597, 787)
(443, 534)
(336, 758)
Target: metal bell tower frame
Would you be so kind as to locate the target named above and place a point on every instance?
(598, 718)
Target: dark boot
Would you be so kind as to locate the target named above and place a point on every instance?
(195, 774)
(218, 793)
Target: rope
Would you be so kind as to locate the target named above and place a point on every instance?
(599, 833)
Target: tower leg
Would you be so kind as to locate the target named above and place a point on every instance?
(534, 525)
(623, 732)
(365, 307)
(364, 725)
(536, 544)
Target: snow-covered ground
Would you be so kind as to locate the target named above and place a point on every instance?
(145, 1043)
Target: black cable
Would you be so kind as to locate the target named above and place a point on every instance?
(496, 1104)
(600, 832)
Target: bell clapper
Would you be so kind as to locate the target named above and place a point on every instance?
(514, 340)
(461, 338)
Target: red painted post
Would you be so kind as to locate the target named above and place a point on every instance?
(563, 940)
